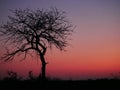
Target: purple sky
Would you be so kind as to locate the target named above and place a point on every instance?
(95, 45)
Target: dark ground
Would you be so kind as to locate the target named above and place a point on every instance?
(101, 84)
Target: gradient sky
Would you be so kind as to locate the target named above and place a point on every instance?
(94, 50)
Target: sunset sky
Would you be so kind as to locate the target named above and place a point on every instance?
(94, 49)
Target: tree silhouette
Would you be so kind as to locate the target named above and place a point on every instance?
(35, 30)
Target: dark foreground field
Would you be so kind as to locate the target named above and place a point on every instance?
(102, 84)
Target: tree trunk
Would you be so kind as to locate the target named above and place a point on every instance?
(43, 68)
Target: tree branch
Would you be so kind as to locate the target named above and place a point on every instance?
(10, 55)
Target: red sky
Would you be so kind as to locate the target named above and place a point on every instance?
(94, 50)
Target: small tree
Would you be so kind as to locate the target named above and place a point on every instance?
(35, 30)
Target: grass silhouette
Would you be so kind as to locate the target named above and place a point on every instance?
(60, 84)
(13, 81)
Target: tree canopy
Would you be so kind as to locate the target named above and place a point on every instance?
(35, 30)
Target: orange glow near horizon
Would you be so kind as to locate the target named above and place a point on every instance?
(94, 51)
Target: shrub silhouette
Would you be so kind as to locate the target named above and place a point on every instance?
(12, 76)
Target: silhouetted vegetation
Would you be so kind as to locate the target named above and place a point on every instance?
(35, 30)
(98, 84)
(11, 75)
(15, 82)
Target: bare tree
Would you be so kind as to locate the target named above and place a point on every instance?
(35, 30)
